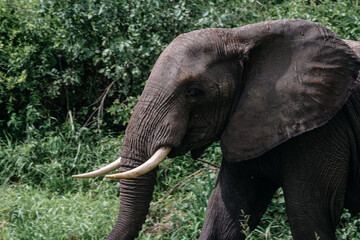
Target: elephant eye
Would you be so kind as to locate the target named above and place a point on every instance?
(194, 91)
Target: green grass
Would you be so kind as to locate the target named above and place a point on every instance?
(27, 212)
(30, 213)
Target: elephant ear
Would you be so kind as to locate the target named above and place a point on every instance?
(296, 77)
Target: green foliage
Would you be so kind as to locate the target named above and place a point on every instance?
(88, 55)
(349, 226)
(49, 161)
(121, 111)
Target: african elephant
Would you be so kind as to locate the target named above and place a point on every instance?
(282, 97)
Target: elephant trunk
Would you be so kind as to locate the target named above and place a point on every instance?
(134, 205)
(143, 137)
(135, 195)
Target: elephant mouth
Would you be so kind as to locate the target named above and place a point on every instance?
(179, 151)
(195, 151)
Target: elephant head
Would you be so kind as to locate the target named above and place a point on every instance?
(251, 87)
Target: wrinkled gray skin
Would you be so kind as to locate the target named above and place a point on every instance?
(298, 133)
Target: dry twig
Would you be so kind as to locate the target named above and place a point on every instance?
(206, 162)
(100, 108)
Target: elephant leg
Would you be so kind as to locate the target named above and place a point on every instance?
(239, 200)
(315, 170)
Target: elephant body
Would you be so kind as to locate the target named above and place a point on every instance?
(319, 172)
(282, 97)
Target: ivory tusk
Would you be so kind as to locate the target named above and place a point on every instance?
(147, 166)
(108, 168)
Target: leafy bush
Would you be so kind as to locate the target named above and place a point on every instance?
(49, 161)
(90, 57)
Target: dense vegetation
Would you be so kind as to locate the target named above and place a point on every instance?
(70, 74)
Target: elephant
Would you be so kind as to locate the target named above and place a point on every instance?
(283, 99)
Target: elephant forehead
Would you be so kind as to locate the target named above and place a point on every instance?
(190, 55)
(179, 67)
(176, 70)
